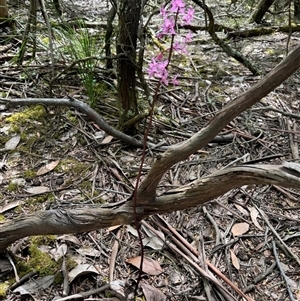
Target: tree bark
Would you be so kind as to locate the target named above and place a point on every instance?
(109, 31)
(297, 10)
(3, 10)
(259, 13)
(129, 17)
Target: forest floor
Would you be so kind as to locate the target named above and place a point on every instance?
(56, 158)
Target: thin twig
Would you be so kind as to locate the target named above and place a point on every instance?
(263, 215)
(86, 294)
(113, 256)
(282, 272)
(270, 108)
(225, 293)
(213, 222)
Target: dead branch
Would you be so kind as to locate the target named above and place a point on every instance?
(182, 151)
(81, 107)
(199, 192)
(62, 221)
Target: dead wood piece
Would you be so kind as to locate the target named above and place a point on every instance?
(253, 32)
(283, 244)
(282, 273)
(81, 107)
(86, 294)
(64, 221)
(181, 151)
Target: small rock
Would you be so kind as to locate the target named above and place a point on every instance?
(36, 182)
(59, 181)
(242, 255)
(18, 181)
(175, 278)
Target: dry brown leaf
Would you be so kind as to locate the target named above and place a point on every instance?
(46, 168)
(82, 269)
(37, 189)
(152, 293)
(241, 209)
(9, 206)
(254, 215)
(234, 260)
(71, 238)
(107, 139)
(58, 252)
(112, 228)
(13, 142)
(239, 229)
(89, 251)
(150, 266)
(33, 286)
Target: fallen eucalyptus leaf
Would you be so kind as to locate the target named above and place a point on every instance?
(150, 266)
(239, 229)
(82, 269)
(33, 286)
(13, 142)
(37, 189)
(46, 168)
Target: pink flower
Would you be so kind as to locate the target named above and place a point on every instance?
(157, 68)
(164, 77)
(152, 68)
(179, 47)
(168, 27)
(163, 11)
(175, 82)
(188, 16)
(177, 5)
(160, 57)
(188, 37)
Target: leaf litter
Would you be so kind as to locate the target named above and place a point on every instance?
(257, 135)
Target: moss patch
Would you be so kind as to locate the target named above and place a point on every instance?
(3, 289)
(72, 167)
(29, 174)
(39, 261)
(26, 117)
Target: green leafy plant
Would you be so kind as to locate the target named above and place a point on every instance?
(81, 45)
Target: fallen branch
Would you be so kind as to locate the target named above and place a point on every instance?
(62, 221)
(182, 151)
(81, 107)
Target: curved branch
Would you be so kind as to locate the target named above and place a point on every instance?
(183, 150)
(64, 221)
(81, 107)
(220, 182)
(230, 52)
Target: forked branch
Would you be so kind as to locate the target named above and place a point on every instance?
(179, 152)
